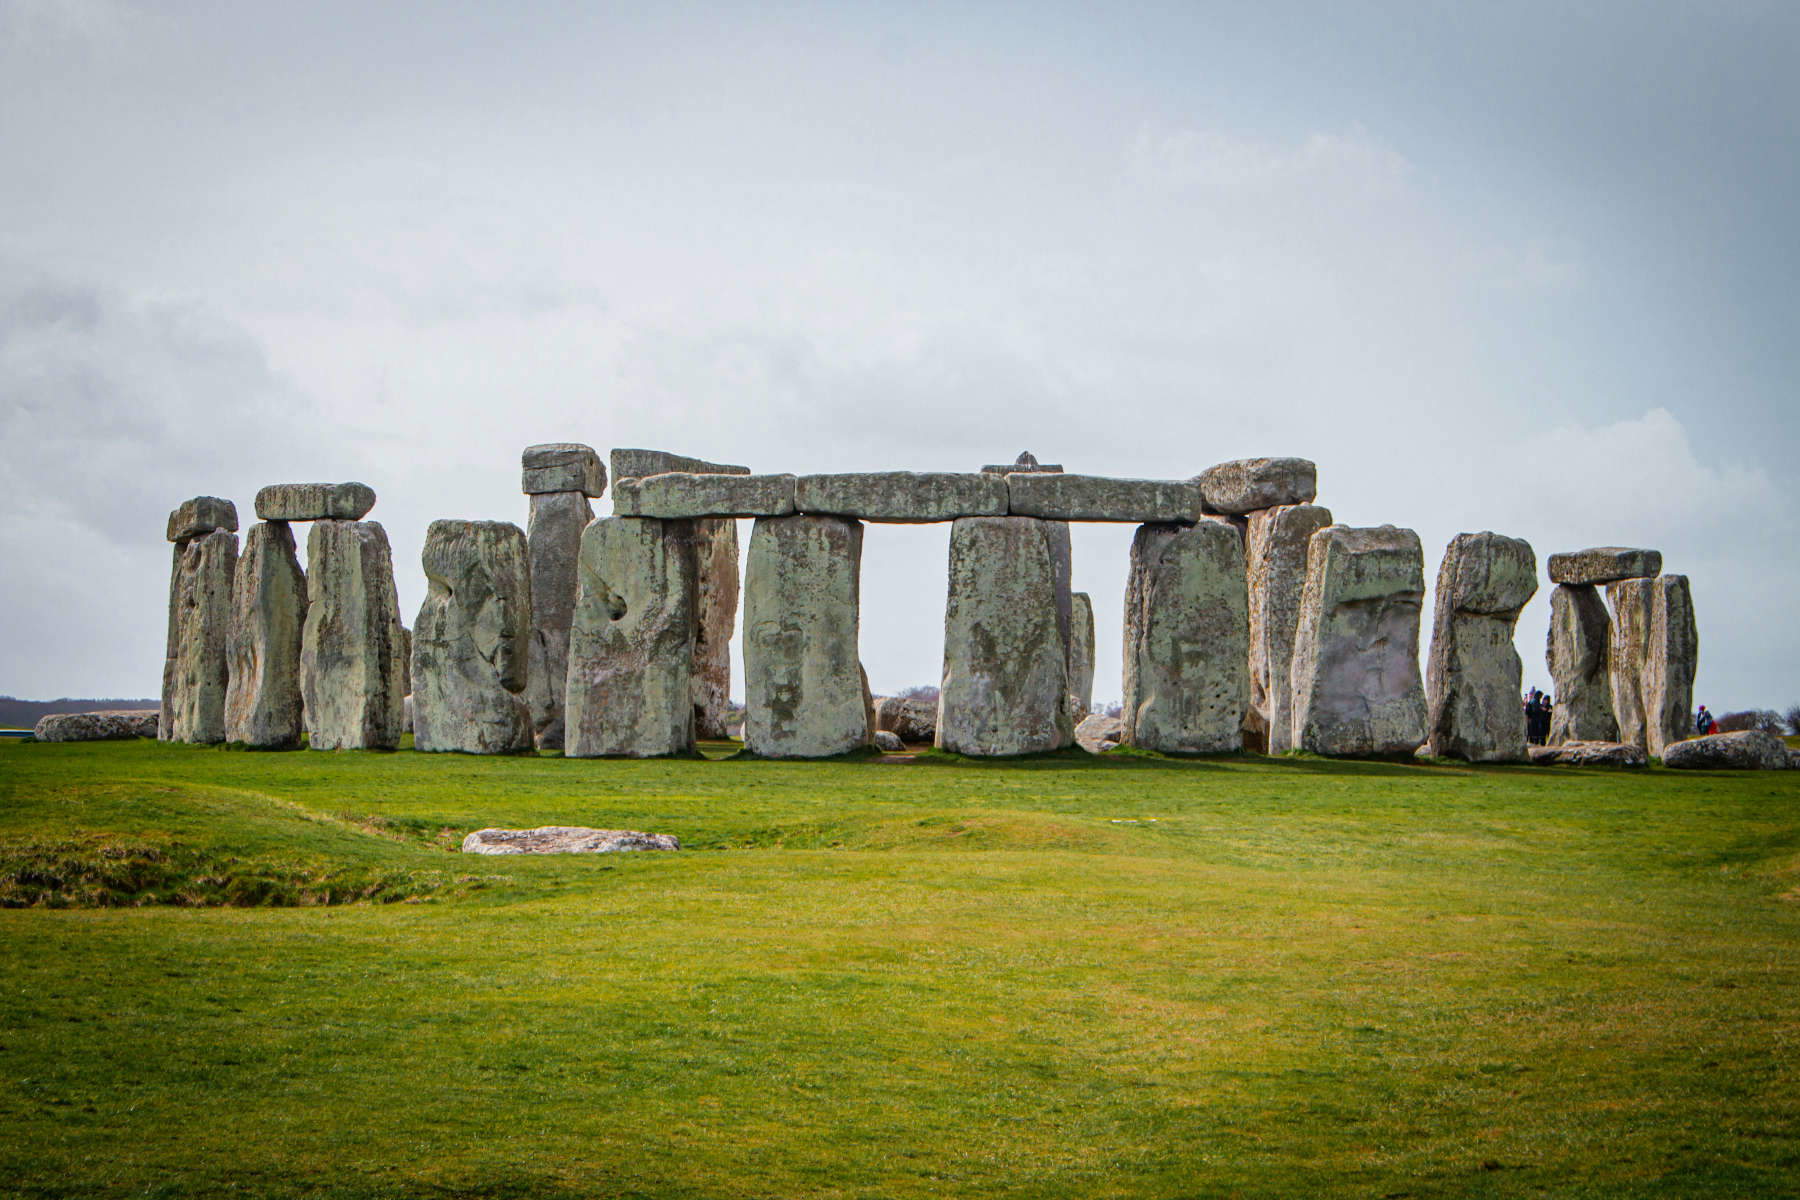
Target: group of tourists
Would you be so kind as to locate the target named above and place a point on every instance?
(1704, 723)
(1537, 717)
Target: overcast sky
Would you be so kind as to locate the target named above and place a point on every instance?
(1528, 267)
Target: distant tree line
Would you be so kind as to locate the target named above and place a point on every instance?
(1765, 719)
(24, 714)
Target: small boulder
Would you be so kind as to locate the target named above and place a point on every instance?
(1099, 733)
(888, 743)
(1746, 750)
(565, 839)
(909, 720)
(96, 726)
(1589, 754)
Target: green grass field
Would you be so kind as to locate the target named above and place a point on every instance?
(244, 975)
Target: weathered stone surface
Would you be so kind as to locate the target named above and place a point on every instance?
(1275, 558)
(1604, 564)
(1063, 497)
(1472, 685)
(1187, 640)
(678, 495)
(803, 684)
(1006, 668)
(631, 648)
(314, 502)
(472, 640)
(1098, 732)
(554, 544)
(635, 464)
(562, 467)
(1248, 484)
(1081, 654)
(565, 839)
(902, 496)
(1026, 463)
(1589, 754)
(200, 516)
(1577, 656)
(1746, 750)
(268, 619)
(96, 726)
(1627, 651)
(888, 743)
(352, 676)
(1794, 760)
(1355, 675)
(197, 670)
(715, 615)
(912, 721)
(1670, 666)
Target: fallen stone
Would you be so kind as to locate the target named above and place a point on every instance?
(197, 669)
(1081, 654)
(268, 620)
(1576, 654)
(314, 502)
(1627, 652)
(631, 647)
(1062, 497)
(562, 467)
(1589, 754)
(913, 721)
(715, 616)
(803, 683)
(1248, 484)
(1746, 750)
(1187, 640)
(1604, 564)
(902, 496)
(678, 495)
(636, 464)
(565, 839)
(1006, 671)
(110, 726)
(1026, 463)
(471, 642)
(1355, 676)
(201, 516)
(554, 544)
(1099, 733)
(1275, 560)
(1472, 685)
(352, 672)
(888, 743)
(1670, 665)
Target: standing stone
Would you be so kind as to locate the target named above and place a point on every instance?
(1474, 678)
(1275, 549)
(1669, 670)
(804, 693)
(197, 671)
(1577, 655)
(1081, 655)
(1006, 657)
(471, 643)
(1187, 640)
(557, 519)
(631, 647)
(1355, 675)
(268, 620)
(352, 676)
(1626, 652)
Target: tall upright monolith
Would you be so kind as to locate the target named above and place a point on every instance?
(1669, 668)
(1187, 640)
(197, 669)
(1275, 544)
(471, 643)
(352, 674)
(263, 707)
(1576, 653)
(560, 478)
(1628, 649)
(1472, 685)
(1081, 655)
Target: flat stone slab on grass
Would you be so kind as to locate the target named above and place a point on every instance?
(679, 495)
(561, 467)
(1604, 564)
(1745, 750)
(1062, 497)
(1589, 754)
(1245, 485)
(565, 839)
(314, 502)
(109, 726)
(903, 497)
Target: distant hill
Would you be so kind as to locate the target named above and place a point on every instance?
(24, 714)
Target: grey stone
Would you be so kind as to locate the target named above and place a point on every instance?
(1025, 464)
(201, 516)
(913, 721)
(1577, 656)
(803, 686)
(888, 743)
(635, 464)
(1604, 564)
(715, 615)
(1670, 665)
(1006, 670)
(197, 670)
(471, 642)
(314, 502)
(631, 648)
(268, 619)
(554, 543)
(111, 726)
(1627, 651)
(1589, 754)
(562, 467)
(1063, 497)
(1275, 554)
(352, 674)
(1248, 484)
(1746, 750)
(902, 496)
(1355, 674)
(1472, 685)
(677, 495)
(1187, 640)
(1793, 760)
(1098, 733)
(1081, 654)
(565, 839)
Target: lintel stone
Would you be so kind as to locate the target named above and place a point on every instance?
(679, 495)
(1604, 564)
(202, 515)
(903, 496)
(562, 467)
(1247, 484)
(1061, 497)
(314, 502)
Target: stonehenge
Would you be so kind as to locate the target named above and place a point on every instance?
(907, 719)
(1275, 545)
(1745, 750)
(1674, 654)
(1187, 640)
(1576, 654)
(680, 495)
(1081, 655)
(352, 673)
(314, 502)
(560, 478)
(1474, 678)
(906, 497)
(1603, 564)
(196, 664)
(472, 641)
(1059, 497)
(1628, 646)
(1249, 484)
(268, 620)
